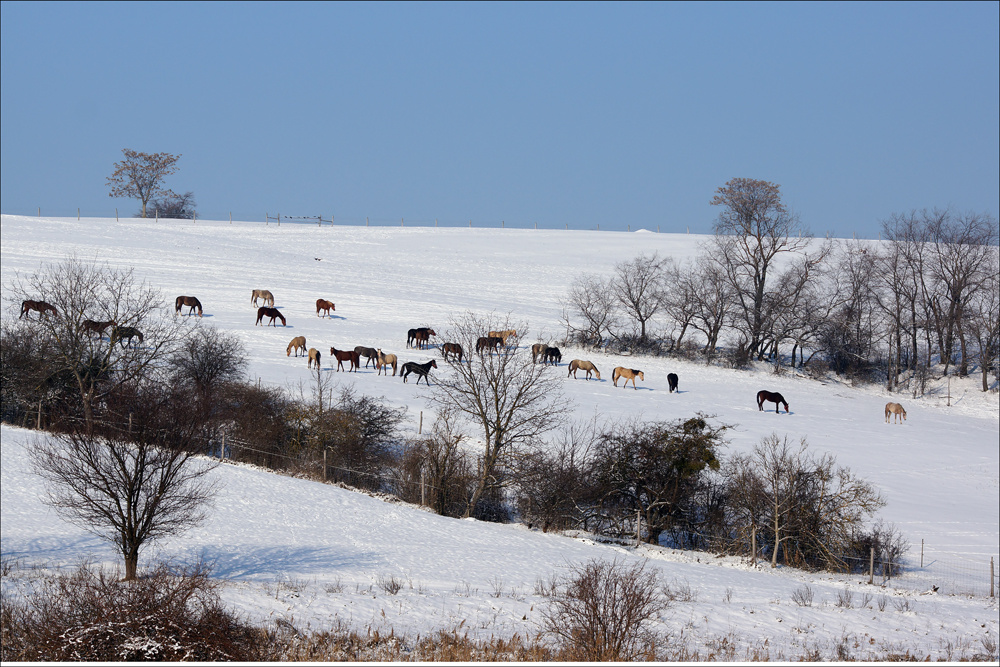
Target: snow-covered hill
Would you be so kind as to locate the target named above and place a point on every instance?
(311, 552)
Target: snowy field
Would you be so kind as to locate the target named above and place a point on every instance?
(313, 554)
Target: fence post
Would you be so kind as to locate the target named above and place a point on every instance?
(39, 211)
(422, 495)
(156, 212)
(366, 221)
(194, 217)
(400, 222)
(871, 566)
(638, 526)
(222, 452)
(921, 553)
(470, 224)
(230, 217)
(753, 545)
(324, 464)
(116, 214)
(78, 215)
(38, 424)
(991, 577)
(420, 428)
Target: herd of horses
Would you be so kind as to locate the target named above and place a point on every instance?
(418, 338)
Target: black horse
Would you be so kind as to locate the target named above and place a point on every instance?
(421, 370)
(552, 355)
(672, 382)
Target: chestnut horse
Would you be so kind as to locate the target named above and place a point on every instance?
(420, 370)
(454, 349)
(262, 294)
(187, 301)
(773, 397)
(492, 343)
(272, 313)
(346, 355)
(419, 338)
(581, 365)
(298, 343)
(385, 360)
(894, 409)
(39, 306)
(626, 374)
(314, 355)
(323, 304)
(96, 327)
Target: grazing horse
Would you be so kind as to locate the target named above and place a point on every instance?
(894, 409)
(581, 365)
(491, 342)
(187, 301)
(346, 355)
(369, 353)
(626, 374)
(121, 334)
(420, 338)
(39, 306)
(298, 343)
(672, 382)
(504, 335)
(773, 397)
(272, 313)
(386, 360)
(552, 355)
(324, 305)
(421, 370)
(537, 350)
(262, 294)
(411, 335)
(314, 355)
(454, 349)
(96, 327)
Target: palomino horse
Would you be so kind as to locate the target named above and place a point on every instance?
(324, 305)
(773, 397)
(581, 365)
(492, 343)
(894, 409)
(122, 334)
(504, 335)
(191, 301)
(627, 374)
(369, 353)
(419, 338)
(421, 370)
(262, 294)
(672, 382)
(96, 327)
(454, 349)
(346, 355)
(552, 355)
(385, 360)
(537, 350)
(38, 306)
(314, 355)
(298, 343)
(272, 313)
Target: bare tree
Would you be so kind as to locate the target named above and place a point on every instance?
(97, 362)
(711, 296)
(753, 229)
(638, 285)
(173, 205)
(511, 399)
(140, 175)
(134, 483)
(982, 315)
(591, 301)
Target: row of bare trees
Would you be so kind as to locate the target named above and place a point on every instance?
(928, 294)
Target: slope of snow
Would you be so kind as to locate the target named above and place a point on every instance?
(310, 552)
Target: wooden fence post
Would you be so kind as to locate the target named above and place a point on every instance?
(420, 428)
(871, 566)
(116, 214)
(423, 500)
(753, 545)
(77, 214)
(638, 526)
(991, 577)
(230, 217)
(921, 553)
(324, 464)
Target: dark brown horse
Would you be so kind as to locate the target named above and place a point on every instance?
(369, 353)
(191, 301)
(324, 305)
(96, 327)
(346, 355)
(122, 334)
(421, 370)
(552, 355)
(419, 338)
(272, 313)
(773, 397)
(491, 343)
(38, 306)
(454, 349)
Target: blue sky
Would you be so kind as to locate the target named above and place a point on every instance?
(555, 114)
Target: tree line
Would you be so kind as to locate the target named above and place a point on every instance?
(927, 295)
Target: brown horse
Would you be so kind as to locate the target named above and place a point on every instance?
(38, 306)
(581, 365)
(298, 343)
(491, 343)
(626, 374)
(324, 305)
(369, 353)
(122, 334)
(187, 301)
(385, 360)
(346, 355)
(420, 338)
(894, 409)
(96, 327)
(262, 294)
(454, 349)
(314, 355)
(420, 370)
(272, 313)
(773, 397)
